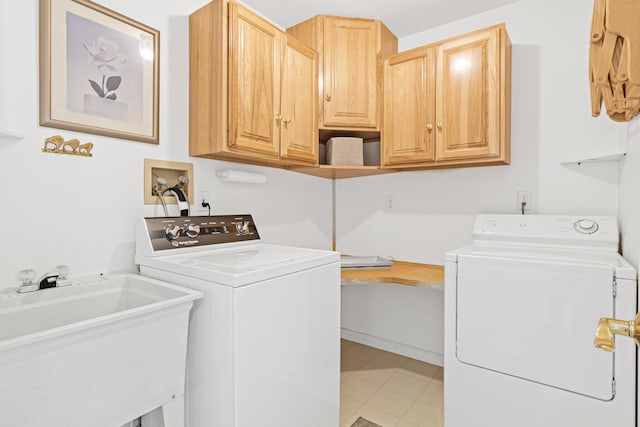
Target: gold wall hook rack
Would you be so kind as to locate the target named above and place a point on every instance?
(57, 144)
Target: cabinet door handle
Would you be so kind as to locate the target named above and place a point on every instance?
(278, 117)
(440, 126)
(287, 120)
(328, 97)
(429, 126)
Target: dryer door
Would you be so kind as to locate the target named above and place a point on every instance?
(535, 320)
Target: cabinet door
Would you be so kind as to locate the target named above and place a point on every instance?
(299, 103)
(408, 122)
(468, 97)
(254, 78)
(349, 73)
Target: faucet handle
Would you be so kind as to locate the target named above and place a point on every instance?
(63, 275)
(26, 280)
(63, 271)
(25, 277)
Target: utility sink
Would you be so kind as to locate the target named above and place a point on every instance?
(99, 352)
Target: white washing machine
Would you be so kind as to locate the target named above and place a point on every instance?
(264, 342)
(522, 304)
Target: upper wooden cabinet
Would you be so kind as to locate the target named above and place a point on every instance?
(254, 83)
(449, 104)
(299, 103)
(409, 108)
(260, 95)
(252, 89)
(349, 84)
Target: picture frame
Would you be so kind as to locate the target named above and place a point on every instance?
(99, 71)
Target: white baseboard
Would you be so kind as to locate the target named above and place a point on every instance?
(394, 347)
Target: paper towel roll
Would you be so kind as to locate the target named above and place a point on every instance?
(233, 175)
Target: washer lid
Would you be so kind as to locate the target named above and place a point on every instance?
(241, 265)
(245, 259)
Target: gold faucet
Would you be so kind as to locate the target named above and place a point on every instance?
(607, 328)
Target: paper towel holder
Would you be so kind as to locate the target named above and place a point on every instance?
(246, 177)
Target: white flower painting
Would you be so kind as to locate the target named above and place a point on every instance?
(99, 71)
(107, 57)
(104, 75)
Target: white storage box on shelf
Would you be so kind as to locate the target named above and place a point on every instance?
(100, 352)
(345, 151)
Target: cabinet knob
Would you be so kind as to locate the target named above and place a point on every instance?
(287, 120)
(429, 126)
(278, 117)
(328, 97)
(440, 126)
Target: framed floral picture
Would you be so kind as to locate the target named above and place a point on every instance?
(99, 71)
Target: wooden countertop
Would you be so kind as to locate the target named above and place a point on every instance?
(401, 272)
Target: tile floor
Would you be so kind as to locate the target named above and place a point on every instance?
(388, 389)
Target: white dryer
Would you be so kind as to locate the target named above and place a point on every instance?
(264, 342)
(522, 304)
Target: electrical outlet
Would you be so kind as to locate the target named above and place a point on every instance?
(203, 197)
(524, 196)
(389, 202)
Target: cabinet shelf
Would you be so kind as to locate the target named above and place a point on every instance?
(366, 135)
(338, 172)
(614, 157)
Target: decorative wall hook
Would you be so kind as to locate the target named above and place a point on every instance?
(614, 59)
(57, 144)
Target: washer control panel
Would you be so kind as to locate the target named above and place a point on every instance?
(188, 231)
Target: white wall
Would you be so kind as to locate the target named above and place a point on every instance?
(629, 203)
(551, 123)
(81, 211)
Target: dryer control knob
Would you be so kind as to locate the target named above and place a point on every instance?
(192, 230)
(172, 232)
(586, 226)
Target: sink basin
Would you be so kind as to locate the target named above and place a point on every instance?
(100, 352)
